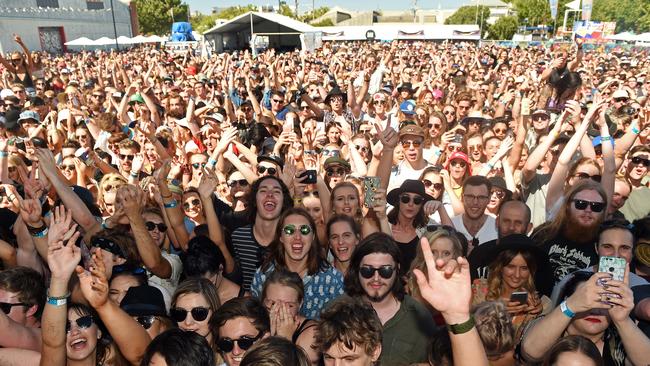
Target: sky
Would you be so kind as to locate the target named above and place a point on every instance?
(205, 6)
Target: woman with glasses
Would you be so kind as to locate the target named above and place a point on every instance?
(498, 195)
(434, 185)
(282, 295)
(193, 209)
(379, 110)
(407, 217)
(73, 171)
(565, 176)
(450, 112)
(193, 306)
(20, 66)
(296, 249)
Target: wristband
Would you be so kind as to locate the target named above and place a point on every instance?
(135, 175)
(605, 138)
(566, 311)
(57, 302)
(437, 153)
(3, 154)
(490, 165)
(212, 162)
(171, 204)
(462, 328)
(40, 234)
(635, 130)
(57, 297)
(33, 230)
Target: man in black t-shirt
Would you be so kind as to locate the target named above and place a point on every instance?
(569, 240)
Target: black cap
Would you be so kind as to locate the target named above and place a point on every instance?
(11, 119)
(144, 300)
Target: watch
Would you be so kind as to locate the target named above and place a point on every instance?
(462, 328)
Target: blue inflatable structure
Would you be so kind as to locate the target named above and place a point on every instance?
(182, 32)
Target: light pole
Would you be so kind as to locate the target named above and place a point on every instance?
(117, 46)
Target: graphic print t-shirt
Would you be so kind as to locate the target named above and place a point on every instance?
(565, 256)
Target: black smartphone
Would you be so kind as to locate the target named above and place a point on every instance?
(311, 176)
(520, 297)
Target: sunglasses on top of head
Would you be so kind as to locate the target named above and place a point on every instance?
(226, 345)
(385, 272)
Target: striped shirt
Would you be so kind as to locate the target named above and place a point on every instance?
(249, 254)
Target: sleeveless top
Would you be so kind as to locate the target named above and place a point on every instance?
(27, 82)
(306, 324)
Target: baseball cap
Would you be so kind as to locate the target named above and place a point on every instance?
(542, 112)
(620, 93)
(336, 160)
(29, 115)
(411, 129)
(407, 107)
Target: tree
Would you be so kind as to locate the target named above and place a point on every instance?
(535, 11)
(286, 10)
(317, 13)
(504, 28)
(471, 15)
(235, 11)
(157, 16)
(324, 23)
(629, 15)
(202, 22)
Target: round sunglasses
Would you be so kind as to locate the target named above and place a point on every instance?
(291, 229)
(199, 314)
(226, 345)
(261, 169)
(406, 199)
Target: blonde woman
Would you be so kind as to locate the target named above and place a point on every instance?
(107, 189)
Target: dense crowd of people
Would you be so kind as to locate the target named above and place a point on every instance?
(403, 203)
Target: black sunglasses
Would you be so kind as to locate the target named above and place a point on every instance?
(595, 177)
(406, 199)
(261, 169)
(621, 99)
(6, 306)
(639, 160)
(152, 225)
(146, 321)
(198, 313)
(582, 205)
(195, 202)
(83, 322)
(226, 345)
(336, 172)
(241, 182)
(385, 272)
(428, 183)
(125, 157)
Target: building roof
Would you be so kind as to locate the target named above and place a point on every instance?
(258, 17)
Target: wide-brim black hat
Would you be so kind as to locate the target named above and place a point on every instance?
(518, 243)
(336, 90)
(143, 301)
(410, 186)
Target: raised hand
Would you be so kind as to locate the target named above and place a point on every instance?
(93, 283)
(388, 137)
(131, 199)
(208, 184)
(446, 287)
(61, 225)
(62, 258)
(30, 211)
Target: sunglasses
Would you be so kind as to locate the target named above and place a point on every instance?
(379, 102)
(363, 149)
(335, 172)
(199, 314)
(408, 143)
(458, 163)
(6, 306)
(540, 118)
(639, 160)
(474, 147)
(152, 225)
(304, 107)
(428, 183)
(310, 193)
(83, 322)
(195, 202)
(291, 229)
(498, 130)
(197, 165)
(68, 167)
(240, 182)
(453, 148)
(385, 272)
(448, 112)
(12, 169)
(434, 125)
(500, 194)
(621, 100)
(81, 137)
(581, 176)
(406, 199)
(226, 345)
(277, 100)
(432, 228)
(126, 157)
(146, 321)
(261, 169)
(582, 205)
